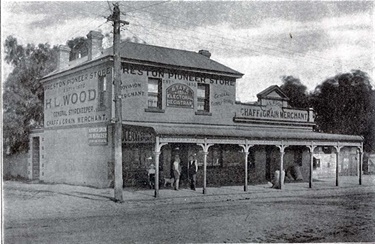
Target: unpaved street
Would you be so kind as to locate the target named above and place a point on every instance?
(36, 213)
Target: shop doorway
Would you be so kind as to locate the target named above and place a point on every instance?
(35, 158)
(272, 161)
(182, 150)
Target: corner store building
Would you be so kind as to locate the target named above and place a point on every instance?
(173, 102)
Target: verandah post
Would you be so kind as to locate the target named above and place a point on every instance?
(246, 149)
(158, 147)
(338, 148)
(205, 148)
(282, 152)
(311, 148)
(360, 164)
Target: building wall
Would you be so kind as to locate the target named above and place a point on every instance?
(79, 104)
(225, 164)
(69, 158)
(257, 172)
(135, 96)
(348, 163)
(78, 98)
(77, 138)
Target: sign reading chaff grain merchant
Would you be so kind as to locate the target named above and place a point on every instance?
(180, 95)
(273, 113)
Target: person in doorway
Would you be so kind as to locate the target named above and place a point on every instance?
(176, 171)
(151, 175)
(192, 169)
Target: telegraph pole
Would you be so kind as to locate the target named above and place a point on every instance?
(117, 133)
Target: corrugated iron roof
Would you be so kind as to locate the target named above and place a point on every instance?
(159, 56)
(246, 132)
(170, 56)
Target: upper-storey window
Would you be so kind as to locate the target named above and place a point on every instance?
(154, 93)
(203, 95)
(102, 88)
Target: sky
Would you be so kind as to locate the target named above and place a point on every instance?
(310, 40)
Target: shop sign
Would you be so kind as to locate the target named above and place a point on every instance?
(137, 135)
(180, 95)
(74, 99)
(98, 136)
(273, 113)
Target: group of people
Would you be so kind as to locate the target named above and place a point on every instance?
(192, 171)
(177, 170)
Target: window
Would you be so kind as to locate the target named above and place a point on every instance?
(251, 160)
(102, 87)
(203, 95)
(154, 93)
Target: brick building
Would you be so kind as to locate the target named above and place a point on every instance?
(173, 102)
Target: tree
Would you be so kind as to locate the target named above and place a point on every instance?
(23, 92)
(295, 91)
(345, 104)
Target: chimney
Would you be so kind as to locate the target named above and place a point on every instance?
(95, 41)
(205, 53)
(63, 57)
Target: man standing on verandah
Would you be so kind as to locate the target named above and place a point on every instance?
(176, 171)
(192, 169)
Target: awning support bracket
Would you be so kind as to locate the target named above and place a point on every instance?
(205, 146)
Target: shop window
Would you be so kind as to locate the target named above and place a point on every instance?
(215, 156)
(102, 88)
(154, 93)
(316, 163)
(203, 96)
(251, 160)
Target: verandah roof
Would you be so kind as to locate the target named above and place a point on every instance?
(248, 133)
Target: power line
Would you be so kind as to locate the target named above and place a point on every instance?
(102, 15)
(265, 45)
(226, 44)
(148, 6)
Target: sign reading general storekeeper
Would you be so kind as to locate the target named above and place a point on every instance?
(180, 95)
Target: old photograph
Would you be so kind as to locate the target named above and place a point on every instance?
(188, 121)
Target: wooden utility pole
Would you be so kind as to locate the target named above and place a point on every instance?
(117, 133)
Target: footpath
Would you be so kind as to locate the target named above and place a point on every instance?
(30, 200)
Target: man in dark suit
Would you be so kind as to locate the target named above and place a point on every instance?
(192, 169)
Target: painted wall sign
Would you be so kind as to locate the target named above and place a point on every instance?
(180, 95)
(74, 99)
(177, 75)
(98, 136)
(222, 98)
(273, 113)
(272, 102)
(134, 134)
(132, 90)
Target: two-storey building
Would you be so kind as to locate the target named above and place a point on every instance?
(173, 102)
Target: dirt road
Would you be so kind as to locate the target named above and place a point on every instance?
(67, 214)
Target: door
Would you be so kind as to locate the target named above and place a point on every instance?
(268, 162)
(35, 158)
